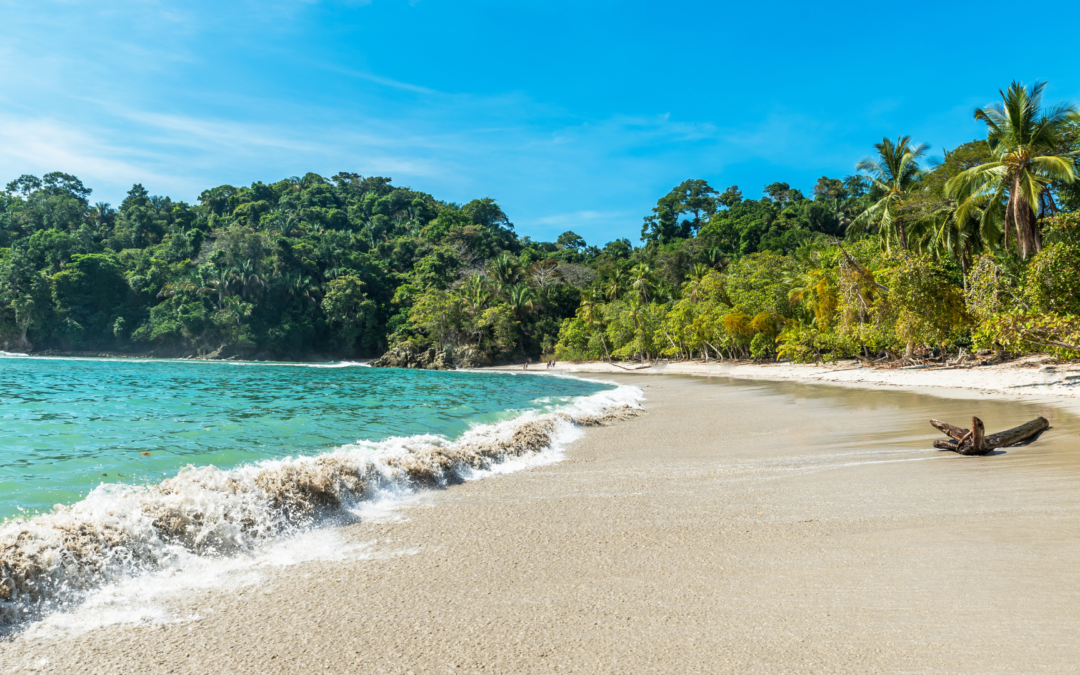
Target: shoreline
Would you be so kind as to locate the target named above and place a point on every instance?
(1035, 377)
(145, 529)
(1025, 379)
(170, 356)
(736, 526)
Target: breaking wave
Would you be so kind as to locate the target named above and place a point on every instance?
(53, 561)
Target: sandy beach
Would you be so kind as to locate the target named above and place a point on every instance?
(736, 526)
(1033, 378)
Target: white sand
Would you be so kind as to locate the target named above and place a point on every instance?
(1035, 378)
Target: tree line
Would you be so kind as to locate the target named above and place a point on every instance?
(907, 257)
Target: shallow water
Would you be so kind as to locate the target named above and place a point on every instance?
(70, 425)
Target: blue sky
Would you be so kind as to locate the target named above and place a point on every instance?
(573, 115)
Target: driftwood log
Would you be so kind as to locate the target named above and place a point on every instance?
(974, 441)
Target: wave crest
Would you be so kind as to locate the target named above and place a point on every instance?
(48, 561)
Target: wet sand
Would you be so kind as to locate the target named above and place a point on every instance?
(734, 527)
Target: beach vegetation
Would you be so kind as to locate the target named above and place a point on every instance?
(908, 258)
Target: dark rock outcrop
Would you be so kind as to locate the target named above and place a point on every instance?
(404, 357)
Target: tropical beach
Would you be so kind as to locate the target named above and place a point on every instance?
(735, 525)
(385, 336)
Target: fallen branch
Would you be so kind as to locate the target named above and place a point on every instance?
(976, 442)
(612, 363)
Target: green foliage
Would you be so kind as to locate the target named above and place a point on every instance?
(929, 308)
(1052, 280)
(762, 346)
(88, 294)
(898, 257)
(349, 311)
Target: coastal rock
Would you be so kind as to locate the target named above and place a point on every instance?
(406, 357)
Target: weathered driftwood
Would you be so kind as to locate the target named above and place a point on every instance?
(976, 442)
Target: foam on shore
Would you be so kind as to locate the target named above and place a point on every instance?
(55, 561)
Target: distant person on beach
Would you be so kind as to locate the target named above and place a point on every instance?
(525, 366)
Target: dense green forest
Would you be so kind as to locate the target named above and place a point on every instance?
(909, 257)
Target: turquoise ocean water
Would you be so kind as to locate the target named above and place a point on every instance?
(69, 425)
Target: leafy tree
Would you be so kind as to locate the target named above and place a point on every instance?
(570, 240)
(349, 311)
(689, 197)
(89, 293)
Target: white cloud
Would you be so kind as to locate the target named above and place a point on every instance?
(43, 145)
(581, 217)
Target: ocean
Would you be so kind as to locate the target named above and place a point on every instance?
(116, 469)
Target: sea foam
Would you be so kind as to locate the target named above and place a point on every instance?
(59, 560)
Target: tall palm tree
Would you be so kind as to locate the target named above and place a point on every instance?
(522, 301)
(895, 173)
(1023, 141)
(643, 281)
(299, 286)
(810, 291)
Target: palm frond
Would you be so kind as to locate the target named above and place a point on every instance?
(1055, 167)
(970, 181)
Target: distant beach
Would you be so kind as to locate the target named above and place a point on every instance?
(736, 526)
(1031, 378)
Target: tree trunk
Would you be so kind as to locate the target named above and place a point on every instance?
(1008, 219)
(975, 442)
(965, 263)
(1028, 242)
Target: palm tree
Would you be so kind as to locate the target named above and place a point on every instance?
(522, 300)
(970, 227)
(505, 270)
(617, 286)
(1023, 141)
(237, 308)
(216, 281)
(697, 274)
(895, 173)
(590, 313)
(188, 283)
(715, 257)
(642, 281)
(810, 291)
(476, 291)
(103, 215)
(299, 285)
(246, 274)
